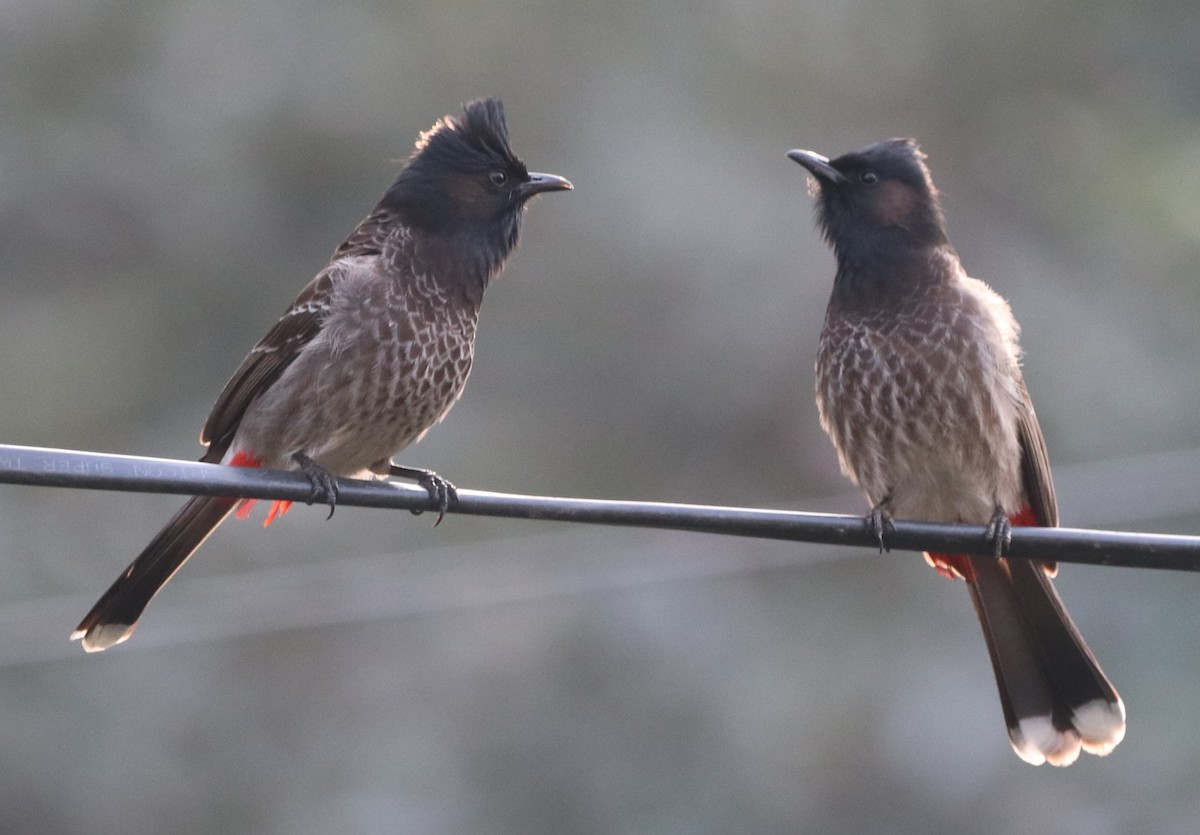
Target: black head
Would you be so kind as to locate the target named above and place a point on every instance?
(879, 197)
(463, 179)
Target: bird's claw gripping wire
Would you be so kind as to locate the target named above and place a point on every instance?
(879, 524)
(324, 485)
(999, 532)
(441, 492)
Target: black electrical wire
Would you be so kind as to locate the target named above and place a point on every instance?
(35, 466)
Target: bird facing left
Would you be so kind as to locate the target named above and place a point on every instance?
(370, 355)
(919, 387)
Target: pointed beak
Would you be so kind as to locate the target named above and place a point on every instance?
(538, 183)
(818, 166)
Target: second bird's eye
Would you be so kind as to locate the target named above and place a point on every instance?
(498, 178)
(868, 178)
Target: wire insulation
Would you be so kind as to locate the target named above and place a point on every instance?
(36, 466)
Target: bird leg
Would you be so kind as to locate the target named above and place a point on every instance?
(999, 532)
(324, 485)
(879, 522)
(441, 492)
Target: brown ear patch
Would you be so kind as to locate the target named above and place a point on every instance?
(469, 193)
(894, 202)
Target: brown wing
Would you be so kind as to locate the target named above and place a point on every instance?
(267, 360)
(296, 328)
(1035, 465)
(369, 236)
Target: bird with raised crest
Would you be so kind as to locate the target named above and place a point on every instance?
(370, 355)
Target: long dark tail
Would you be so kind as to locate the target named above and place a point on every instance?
(1056, 699)
(115, 615)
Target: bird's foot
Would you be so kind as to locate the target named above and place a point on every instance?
(879, 523)
(324, 485)
(999, 532)
(441, 492)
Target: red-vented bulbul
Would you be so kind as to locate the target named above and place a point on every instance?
(370, 355)
(919, 386)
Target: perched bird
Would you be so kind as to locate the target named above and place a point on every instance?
(920, 389)
(370, 355)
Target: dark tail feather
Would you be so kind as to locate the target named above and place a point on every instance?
(1096, 711)
(114, 617)
(1056, 699)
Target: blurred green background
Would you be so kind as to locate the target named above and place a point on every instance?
(172, 173)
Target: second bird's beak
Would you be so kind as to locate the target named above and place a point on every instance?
(818, 166)
(537, 183)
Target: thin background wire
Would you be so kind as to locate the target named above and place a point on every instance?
(524, 568)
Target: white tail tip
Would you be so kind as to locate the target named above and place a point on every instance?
(100, 638)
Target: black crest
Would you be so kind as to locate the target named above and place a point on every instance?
(466, 190)
(472, 145)
(473, 140)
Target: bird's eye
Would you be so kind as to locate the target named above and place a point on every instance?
(498, 178)
(868, 178)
